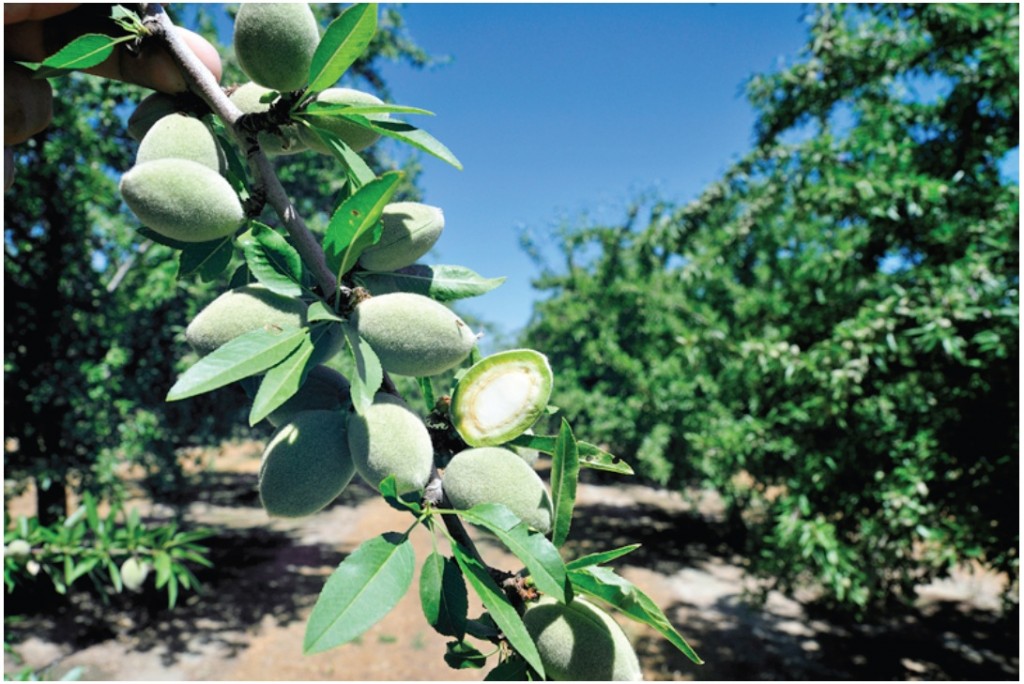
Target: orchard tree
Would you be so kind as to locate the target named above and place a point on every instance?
(200, 185)
(829, 334)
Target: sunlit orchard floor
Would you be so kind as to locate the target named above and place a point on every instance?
(249, 622)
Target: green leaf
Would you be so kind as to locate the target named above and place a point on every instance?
(590, 455)
(247, 354)
(237, 172)
(115, 575)
(84, 52)
(443, 595)
(357, 171)
(565, 471)
(82, 568)
(462, 656)
(172, 591)
(319, 311)
(497, 604)
(603, 583)
(315, 110)
(418, 138)
(389, 490)
(363, 589)
(207, 259)
(241, 277)
(512, 669)
(355, 224)
(483, 627)
(601, 557)
(369, 374)
(441, 282)
(162, 565)
(273, 261)
(426, 386)
(345, 40)
(128, 20)
(535, 551)
(282, 381)
(325, 335)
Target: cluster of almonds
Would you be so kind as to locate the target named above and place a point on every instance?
(177, 188)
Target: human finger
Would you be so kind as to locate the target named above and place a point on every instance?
(17, 12)
(28, 104)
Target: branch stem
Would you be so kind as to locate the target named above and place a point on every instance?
(203, 82)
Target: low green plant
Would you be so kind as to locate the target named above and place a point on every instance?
(89, 546)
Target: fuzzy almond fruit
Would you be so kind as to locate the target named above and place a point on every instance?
(390, 439)
(412, 334)
(182, 199)
(275, 41)
(179, 136)
(410, 230)
(580, 642)
(239, 311)
(499, 476)
(306, 464)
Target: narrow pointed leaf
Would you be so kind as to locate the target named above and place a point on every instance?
(246, 355)
(565, 471)
(369, 374)
(443, 595)
(497, 604)
(462, 656)
(535, 551)
(603, 583)
(418, 138)
(361, 591)
(389, 490)
(327, 342)
(357, 171)
(84, 52)
(207, 259)
(274, 262)
(601, 557)
(427, 390)
(512, 669)
(331, 109)
(356, 222)
(318, 311)
(441, 282)
(590, 456)
(282, 381)
(344, 41)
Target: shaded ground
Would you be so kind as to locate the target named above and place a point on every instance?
(248, 624)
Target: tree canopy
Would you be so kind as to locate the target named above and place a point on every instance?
(828, 335)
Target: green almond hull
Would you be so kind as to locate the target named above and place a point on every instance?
(495, 475)
(306, 465)
(580, 642)
(182, 200)
(500, 397)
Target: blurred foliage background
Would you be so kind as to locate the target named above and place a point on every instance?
(828, 336)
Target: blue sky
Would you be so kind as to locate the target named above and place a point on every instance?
(562, 111)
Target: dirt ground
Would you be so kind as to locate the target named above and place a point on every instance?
(248, 623)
